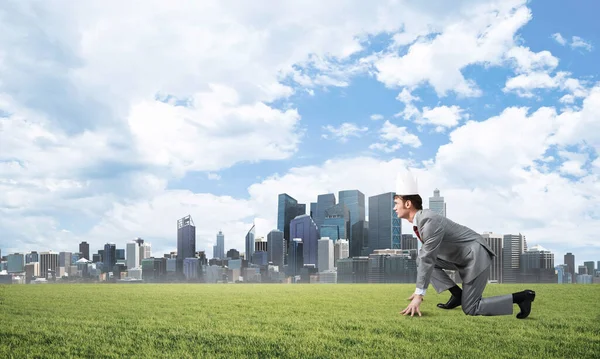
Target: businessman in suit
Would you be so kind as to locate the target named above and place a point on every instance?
(448, 245)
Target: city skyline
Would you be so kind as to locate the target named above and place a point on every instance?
(104, 137)
(251, 235)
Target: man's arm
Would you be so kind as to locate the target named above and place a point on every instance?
(432, 235)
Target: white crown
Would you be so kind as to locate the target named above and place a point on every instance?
(406, 184)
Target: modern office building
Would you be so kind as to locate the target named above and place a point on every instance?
(495, 241)
(305, 228)
(512, 247)
(437, 204)
(84, 249)
(354, 200)
(275, 248)
(287, 209)
(384, 225)
(250, 237)
(186, 241)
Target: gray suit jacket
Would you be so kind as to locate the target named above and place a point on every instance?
(452, 243)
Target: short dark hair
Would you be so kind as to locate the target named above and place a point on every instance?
(415, 199)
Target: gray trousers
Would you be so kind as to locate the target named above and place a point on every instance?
(471, 301)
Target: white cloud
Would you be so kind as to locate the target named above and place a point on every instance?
(410, 111)
(213, 176)
(525, 84)
(376, 117)
(394, 138)
(486, 33)
(559, 38)
(442, 117)
(573, 164)
(209, 134)
(578, 42)
(527, 61)
(343, 132)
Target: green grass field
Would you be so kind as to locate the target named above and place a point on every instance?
(291, 321)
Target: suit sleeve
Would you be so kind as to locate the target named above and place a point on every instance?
(432, 234)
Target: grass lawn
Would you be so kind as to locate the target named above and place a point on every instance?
(290, 321)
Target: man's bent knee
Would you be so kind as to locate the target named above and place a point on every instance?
(470, 309)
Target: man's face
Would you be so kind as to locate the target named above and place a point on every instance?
(400, 207)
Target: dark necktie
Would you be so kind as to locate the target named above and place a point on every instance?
(417, 233)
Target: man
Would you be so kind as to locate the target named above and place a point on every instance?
(448, 245)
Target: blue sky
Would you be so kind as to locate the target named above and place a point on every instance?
(111, 129)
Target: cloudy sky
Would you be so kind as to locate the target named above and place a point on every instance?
(116, 119)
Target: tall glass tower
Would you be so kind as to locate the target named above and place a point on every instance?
(250, 243)
(384, 225)
(324, 202)
(354, 200)
(186, 241)
(305, 228)
(437, 204)
(287, 209)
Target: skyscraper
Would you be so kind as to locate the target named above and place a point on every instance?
(325, 255)
(590, 267)
(48, 264)
(354, 200)
(275, 249)
(437, 204)
(287, 209)
(384, 225)
(250, 236)
(324, 202)
(220, 246)
(186, 241)
(84, 249)
(133, 255)
(295, 260)
(337, 222)
(409, 242)
(109, 257)
(570, 262)
(513, 246)
(537, 266)
(494, 241)
(305, 228)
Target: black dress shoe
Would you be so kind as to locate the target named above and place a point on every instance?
(527, 297)
(452, 303)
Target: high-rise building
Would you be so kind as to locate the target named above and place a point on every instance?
(120, 254)
(32, 257)
(145, 250)
(219, 250)
(513, 246)
(110, 257)
(313, 210)
(537, 266)
(324, 202)
(437, 204)
(354, 200)
(64, 259)
(275, 248)
(186, 241)
(590, 267)
(570, 262)
(384, 225)
(133, 255)
(305, 228)
(494, 241)
(260, 245)
(325, 254)
(287, 209)
(15, 263)
(409, 242)
(48, 264)
(295, 260)
(341, 250)
(336, 224)
(84, 249)
(250, 240)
